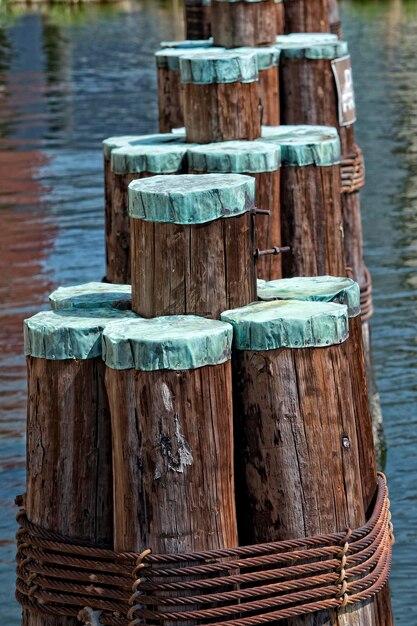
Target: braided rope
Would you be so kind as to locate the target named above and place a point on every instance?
(367, 307)
(243, 586)
(352, 169)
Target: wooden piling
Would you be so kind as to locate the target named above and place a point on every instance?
(159, 154)
(221, 96)
(238, 23)
(339, 290)
(197, 14)
(280, 14)
(309, 95)
(197, 233)
(170, 393)
(268, 72)
(170, 89)
(309, 16)
(311, 212)
(263, 162)
(335, 25)
(92, 296)
(69, 475)
(298, 469)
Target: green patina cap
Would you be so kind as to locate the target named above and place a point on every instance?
(305, 145)
(235, 156)
(191, 199)
(189, 43)
(167, 157)
(169, 58)
(219, 66)
(267, 57)
(91, 296)
(112, 143)
(288, 324)
(311, 46)
(315, 289)
(60, 335)
(180, 342)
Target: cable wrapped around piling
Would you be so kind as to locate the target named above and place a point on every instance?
(243, 586)
(352, 169)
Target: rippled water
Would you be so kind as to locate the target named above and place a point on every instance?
(68, 78)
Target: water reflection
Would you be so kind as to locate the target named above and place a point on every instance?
(70, 76)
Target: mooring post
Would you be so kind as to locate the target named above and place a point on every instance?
(198, 233)
(221, 96)
(170, 393)
(311, 210)
(303, 16)
(316, 88)
(345, 291)
(262, 161)
(280, 13)
(335, 25)
(159, 154)
(69, 468)
(170, 88)
(197, 15)
(297, 461)
(268, 72)
(243, 23)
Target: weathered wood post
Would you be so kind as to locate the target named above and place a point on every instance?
(280, 13)
(159, 154)
(197, 15)
(311, 94)
(268, 69)
(298, 470)
(238, 23)
(198, 233)
(170, 393)
(170, 89)
(69, 468)
(92, 296)
(263, 162)
(342, 291)
(311, 211)
(335, 25)
(303, 16)
(221, 96)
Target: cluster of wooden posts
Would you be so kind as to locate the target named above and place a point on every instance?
(221, 400)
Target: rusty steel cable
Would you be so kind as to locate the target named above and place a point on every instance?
(352, 171)
(242, 586)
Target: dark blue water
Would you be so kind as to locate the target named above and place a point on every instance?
(70, 77)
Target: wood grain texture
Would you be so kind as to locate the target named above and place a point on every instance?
(201, 269)
(297, 458)
(69, 468)
(118, 230)
(354, 350)
(197, 20)
(267, 228)
(107, 206)
(309, 16)
(280, 17)
(269, 95)
(236, 24)
(311, 221)
(170, 100)
(308, 96)
(222, 111)
(173, 459)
